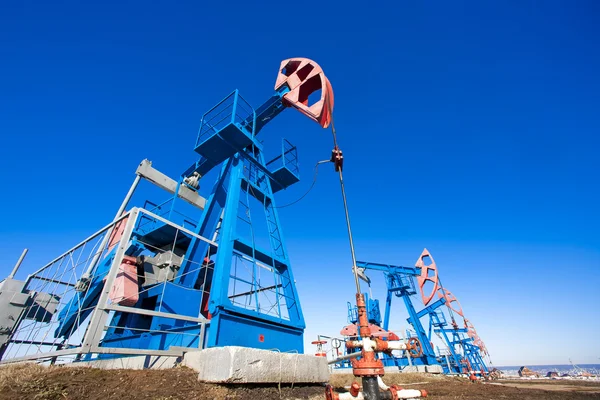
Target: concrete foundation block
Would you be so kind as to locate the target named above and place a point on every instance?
(341, 371)
(233, 364)
(414, 368)
(435, 369)
(391, 370)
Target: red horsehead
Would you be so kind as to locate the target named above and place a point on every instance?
(304, 77)
(428, 273)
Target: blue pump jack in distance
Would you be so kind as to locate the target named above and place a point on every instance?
(400, 283)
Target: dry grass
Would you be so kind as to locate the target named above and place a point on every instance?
(19, 375)
(28, 378)
(33, 382)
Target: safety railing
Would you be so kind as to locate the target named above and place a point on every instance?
(400, 284)
(258, 287)
(60, 281)
(352, 313)
(256, 178)
(290, 157)
(80, 310)
(285, 167)
(408, 282)
(438, 319)
(232, 109)
(165, 210)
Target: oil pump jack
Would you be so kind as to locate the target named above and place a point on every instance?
(158, 281)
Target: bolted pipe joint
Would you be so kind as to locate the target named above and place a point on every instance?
(389, 345)
(367, 344)
(397, 392)
(363, 320)
(354, 344)
(379, 345)
(374, 389)
(369, 367)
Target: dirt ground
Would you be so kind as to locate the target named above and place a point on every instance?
(582, 386)
(451, 388)
(34, 382)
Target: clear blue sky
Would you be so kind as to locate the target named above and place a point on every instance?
(470, 129)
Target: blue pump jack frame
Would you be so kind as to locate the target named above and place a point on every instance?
(264, 114)
(459, 338)
(434, 320)
(230, 324)
(471, 352)
(398, 285)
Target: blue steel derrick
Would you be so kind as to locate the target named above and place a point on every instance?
(216, 280)
(227, 138)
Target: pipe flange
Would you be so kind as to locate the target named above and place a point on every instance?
(367, 368)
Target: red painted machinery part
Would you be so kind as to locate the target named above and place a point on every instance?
(468, 324)
(368, 364)
(471, 332)
(414, 347)
(337, 158)
(394, 389)
(206, 293)
(429, 273)
(376, 331)
(330, 394)
(305, 77)
(116, 234)
(125, 289)
(451, 300)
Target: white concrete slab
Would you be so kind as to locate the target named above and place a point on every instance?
(415, 368)
(232, 364)
(435, 369)
(391, 370)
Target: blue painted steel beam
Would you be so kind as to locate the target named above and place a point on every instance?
(403, 292)
(270, 109)
(431, 308)
(453, 353)
(388, 268)
(428, 351)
